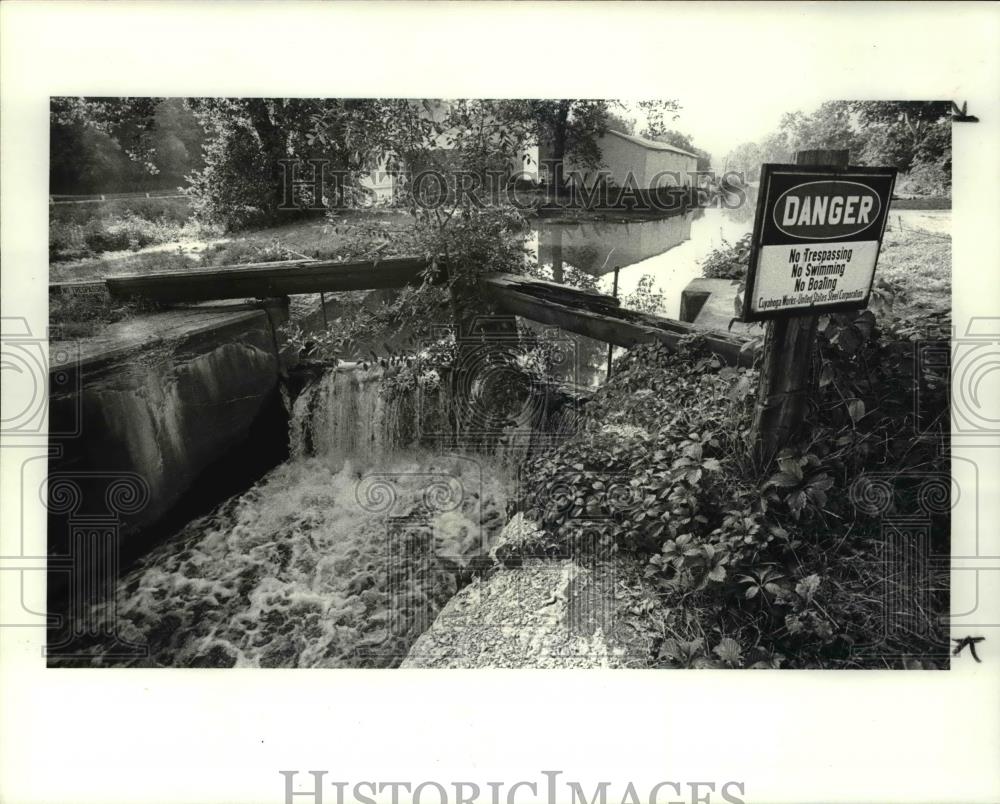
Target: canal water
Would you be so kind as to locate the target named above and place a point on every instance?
(664, 255)
(670, 250)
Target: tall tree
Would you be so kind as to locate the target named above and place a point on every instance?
(830, 126)
(250, 140)
(621, 122)
(744, 159)
(569, 128)
(913, 136)
(906, 134)
(659, 116)
(176, 141)
(100, 144)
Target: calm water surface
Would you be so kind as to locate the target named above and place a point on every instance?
(670, 250)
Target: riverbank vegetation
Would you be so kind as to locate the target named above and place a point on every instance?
(78, 231)
(912, 136)
(788, 565)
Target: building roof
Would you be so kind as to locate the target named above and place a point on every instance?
(652, 145)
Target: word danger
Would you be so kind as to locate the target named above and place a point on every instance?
(825, 210)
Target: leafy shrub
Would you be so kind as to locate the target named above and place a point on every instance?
(757, 566)
(647, 482)
(728, 262)
(466, 243)
(235, 188)
(930, 178)
(80, 230)
(646, 298)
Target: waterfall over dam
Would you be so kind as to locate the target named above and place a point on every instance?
(345, 414)
(339, 557)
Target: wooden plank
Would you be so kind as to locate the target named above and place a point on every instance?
(78, 287)
(600, 317)
(556, 291)
(269, 280)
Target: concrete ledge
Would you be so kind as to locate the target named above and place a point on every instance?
(117, 341)
(709, 305)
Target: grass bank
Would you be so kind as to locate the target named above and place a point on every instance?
(83, 230)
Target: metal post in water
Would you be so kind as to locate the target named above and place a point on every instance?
(611, 346)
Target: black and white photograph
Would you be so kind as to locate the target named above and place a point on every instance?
(440, 401)
(471, 383)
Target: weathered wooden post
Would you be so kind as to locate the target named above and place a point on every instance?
(786, 367)
(611, 346)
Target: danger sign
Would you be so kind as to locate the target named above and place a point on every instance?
(816, 239)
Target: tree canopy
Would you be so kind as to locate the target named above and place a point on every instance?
(233, 154)
(122, 144)
(913, 136)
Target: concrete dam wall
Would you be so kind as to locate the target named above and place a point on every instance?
(151, 407)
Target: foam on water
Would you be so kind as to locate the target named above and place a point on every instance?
(339, 557)
(315, 566)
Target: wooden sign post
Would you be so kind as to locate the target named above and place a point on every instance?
(611, 346)
(816, 238)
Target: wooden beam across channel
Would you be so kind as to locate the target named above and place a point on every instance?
(601, 317)
(269, 280)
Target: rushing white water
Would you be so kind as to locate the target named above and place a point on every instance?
(346, 415)
(340, 557)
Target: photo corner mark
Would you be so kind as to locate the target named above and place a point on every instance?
(970, 642)
(959, 114)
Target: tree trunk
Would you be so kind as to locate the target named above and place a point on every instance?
(559, 132)
(272, 140)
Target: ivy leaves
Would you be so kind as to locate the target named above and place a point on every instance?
(730, 261)
(799, 483)
(691, 654)
(694, 564)
(847, 333)
(691, 464)
(729, 652)
(766, 581)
